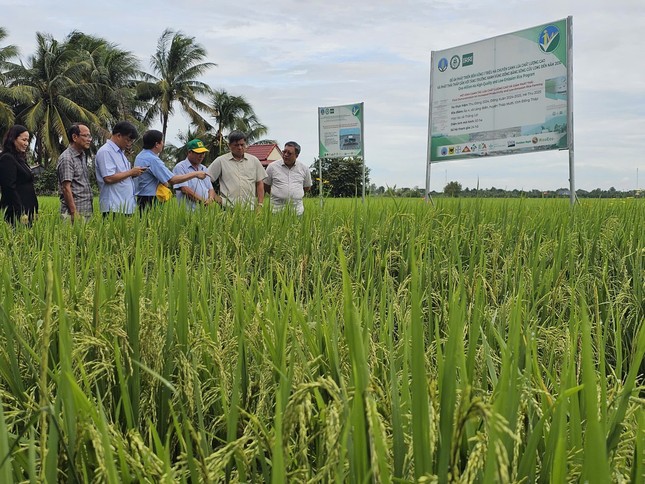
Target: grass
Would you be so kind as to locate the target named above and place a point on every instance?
(474, 341)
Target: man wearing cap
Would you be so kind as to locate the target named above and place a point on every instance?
(73, 179)
(241, 175)
(114, 174)
(287, 180)
(196, 190)
(156, 172)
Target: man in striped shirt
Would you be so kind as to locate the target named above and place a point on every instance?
(73, 180)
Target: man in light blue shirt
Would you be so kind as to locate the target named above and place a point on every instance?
(156, 172)
(194, 191)
(114, 174)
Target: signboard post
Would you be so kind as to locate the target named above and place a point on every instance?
(506, 95)
(341, 134)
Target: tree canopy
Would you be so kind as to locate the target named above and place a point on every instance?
(452, 189)
(340, 177)
(177, 65)
(88, 79)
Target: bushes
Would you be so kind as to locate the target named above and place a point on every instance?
(46, 180)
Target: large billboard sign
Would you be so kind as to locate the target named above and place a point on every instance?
(501, 96)
(340, 131)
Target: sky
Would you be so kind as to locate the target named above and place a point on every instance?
(287, 58)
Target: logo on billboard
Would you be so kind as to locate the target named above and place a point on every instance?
(454, 61)
(443, 64)
(467, 59)
(549, 38)
(322, 111)
(356, 109)
(444, 151)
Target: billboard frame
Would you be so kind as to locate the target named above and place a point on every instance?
(340, 156)
(430, 156)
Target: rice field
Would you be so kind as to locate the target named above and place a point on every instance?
(396, 341)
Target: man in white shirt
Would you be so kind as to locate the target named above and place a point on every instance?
(287, 180)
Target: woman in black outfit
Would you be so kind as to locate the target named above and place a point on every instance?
(16, 180)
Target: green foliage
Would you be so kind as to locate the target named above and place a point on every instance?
(232, 113)
(7, 95)
(452, 189)
(88, 79)
(340, 177)
(177, 65)
(46, 182)
(470, 341)
(52, 81)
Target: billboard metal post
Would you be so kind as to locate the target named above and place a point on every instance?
(572, 173)
(320, 177)
(363, 151)
(363, 179)
(429, 148)
(320, 181)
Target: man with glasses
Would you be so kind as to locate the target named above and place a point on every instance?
(73, 181)
(288, 180)
(241, 175)
(114, 174)
(197, 189)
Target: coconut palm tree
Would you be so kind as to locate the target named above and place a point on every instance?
(177, 64)
(53, 80)
(113, 75)
(6, 53)
(7, 97)
(252, 126)
(234, 112)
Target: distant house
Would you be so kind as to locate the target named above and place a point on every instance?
(267, 154)
(563, 192)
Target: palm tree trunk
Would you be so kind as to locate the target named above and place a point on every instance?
(164, 118)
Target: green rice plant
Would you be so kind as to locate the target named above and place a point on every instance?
(420, 406)
(5, 465)
(470, 341)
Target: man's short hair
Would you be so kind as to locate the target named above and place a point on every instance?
(126, 129)
(235, 136)
(74, 129)
(295, 145)
(151, 138)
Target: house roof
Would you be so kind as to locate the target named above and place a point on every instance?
(265, 153)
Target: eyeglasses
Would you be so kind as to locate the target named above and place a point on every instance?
(86, 135)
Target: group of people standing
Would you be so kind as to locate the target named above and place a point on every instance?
(124, 186)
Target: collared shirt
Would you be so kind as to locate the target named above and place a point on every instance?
(200, 187)
(157, 172)
(237, 178)
(119, 196)
(72, 167)
(288, 184)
